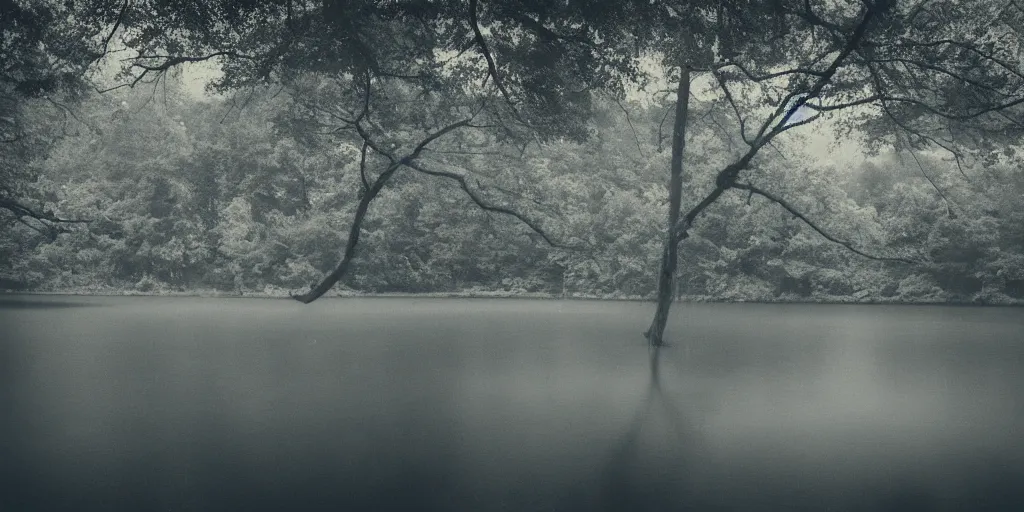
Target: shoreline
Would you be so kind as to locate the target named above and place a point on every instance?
(349, 294)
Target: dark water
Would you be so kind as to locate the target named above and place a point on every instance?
(185, 404)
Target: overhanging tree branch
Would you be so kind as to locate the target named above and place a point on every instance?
(883, 103)
(481, 203)
(840, 106)
(492, 68)
(117, 24)
(1004, 64)
(796, 213)
(171, 61)
(20, 210)
(728, 96)
(768, 76)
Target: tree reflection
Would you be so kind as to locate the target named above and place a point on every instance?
(649, 467)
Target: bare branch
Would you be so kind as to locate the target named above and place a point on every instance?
(903, 42)
(492, 68)
(71, 112)
(367, 139)
(434, 136)
(483, 204)
(114, 88)
(809, 222)
(940, 70)
(725, 132)
(172, 60)
(728, 96)
(20, 210)
(839, 106)
(168, 63)
(954, 117)
(117, 24)
(949, 210)
(768, 76)
(630, 123)
(37, 229)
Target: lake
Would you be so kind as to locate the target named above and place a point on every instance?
(193, 404)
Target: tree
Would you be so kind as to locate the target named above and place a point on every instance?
(923, 81)
(911, 75)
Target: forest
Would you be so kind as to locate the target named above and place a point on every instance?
(202, 194)
(250, 188)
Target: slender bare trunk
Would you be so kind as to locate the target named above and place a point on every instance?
(655, 334)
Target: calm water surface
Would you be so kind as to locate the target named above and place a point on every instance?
(186, 404)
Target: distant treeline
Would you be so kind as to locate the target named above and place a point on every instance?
(185, 194)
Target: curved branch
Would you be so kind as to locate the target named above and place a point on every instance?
(483, 204)
(434, 136)
(171, 61)
(781, 202)
(117, 24)
(964, 46)
(932, 182)
(20, 210)
(954, 117)
(892, 117)
(69, 111)
(942, 71)
(630, 123)
(839, 106)
(371, 193)
(728, 96)
(353, 239)
(492, 68)
(768, 76)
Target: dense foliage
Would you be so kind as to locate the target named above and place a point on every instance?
(197, 194)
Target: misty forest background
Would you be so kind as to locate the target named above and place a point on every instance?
(248, 194)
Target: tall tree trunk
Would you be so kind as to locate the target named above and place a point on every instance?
(655, 334)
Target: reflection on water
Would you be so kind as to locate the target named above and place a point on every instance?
(655, 478)
(205, 404)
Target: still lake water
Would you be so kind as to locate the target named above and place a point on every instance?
(188, 404)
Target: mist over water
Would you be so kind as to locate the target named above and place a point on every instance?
(444, 404)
